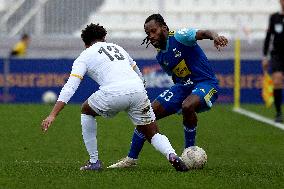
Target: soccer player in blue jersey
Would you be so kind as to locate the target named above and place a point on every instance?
(195, 88)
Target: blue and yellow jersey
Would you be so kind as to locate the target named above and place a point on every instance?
(184, 60)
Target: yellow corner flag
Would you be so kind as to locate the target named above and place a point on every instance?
(267, 90)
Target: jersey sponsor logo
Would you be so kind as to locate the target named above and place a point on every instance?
(181, 69)
(278, 28)
(177, 53)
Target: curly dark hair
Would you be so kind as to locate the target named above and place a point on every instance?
(92, 33)
(159, 19)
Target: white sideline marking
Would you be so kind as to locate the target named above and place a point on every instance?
(259, 117)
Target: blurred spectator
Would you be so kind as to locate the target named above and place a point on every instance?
(276, 30)
(20, 48)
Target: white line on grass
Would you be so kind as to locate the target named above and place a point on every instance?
(258, 117)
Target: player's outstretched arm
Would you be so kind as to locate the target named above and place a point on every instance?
(78, 71)
(219, 41)
(66, 93)
(54, 112)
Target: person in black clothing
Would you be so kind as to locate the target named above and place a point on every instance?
(276, 30)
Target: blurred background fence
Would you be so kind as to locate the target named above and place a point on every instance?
(55, 26)
(125, 18)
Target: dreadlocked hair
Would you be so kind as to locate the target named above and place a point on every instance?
(159, 19)
(92, 33)
(146, 41)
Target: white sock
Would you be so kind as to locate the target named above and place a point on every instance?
(162, 144)
(89, 132)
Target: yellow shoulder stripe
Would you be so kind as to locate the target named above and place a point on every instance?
(76, 75)
(133, 66)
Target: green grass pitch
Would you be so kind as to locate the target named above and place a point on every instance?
(242, 153)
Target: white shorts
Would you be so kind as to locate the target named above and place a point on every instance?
(136, 104)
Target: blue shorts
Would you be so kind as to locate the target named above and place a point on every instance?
(172, 98)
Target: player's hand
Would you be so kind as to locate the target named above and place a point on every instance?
(220, 41)
(265, 64)
(46, 123)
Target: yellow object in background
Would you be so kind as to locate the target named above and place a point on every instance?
(20, 48)
(237, 74)
(267, 90)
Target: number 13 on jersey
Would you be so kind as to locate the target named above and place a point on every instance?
(111, 50)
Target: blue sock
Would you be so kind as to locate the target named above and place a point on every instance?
(137, 143)
(189, 136)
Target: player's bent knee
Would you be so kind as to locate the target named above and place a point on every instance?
(187, 108)
(86, 109)
(190, 104)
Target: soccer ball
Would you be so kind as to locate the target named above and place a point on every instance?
(49, 97)
(194, 157)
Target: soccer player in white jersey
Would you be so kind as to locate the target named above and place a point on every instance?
(121, 89)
